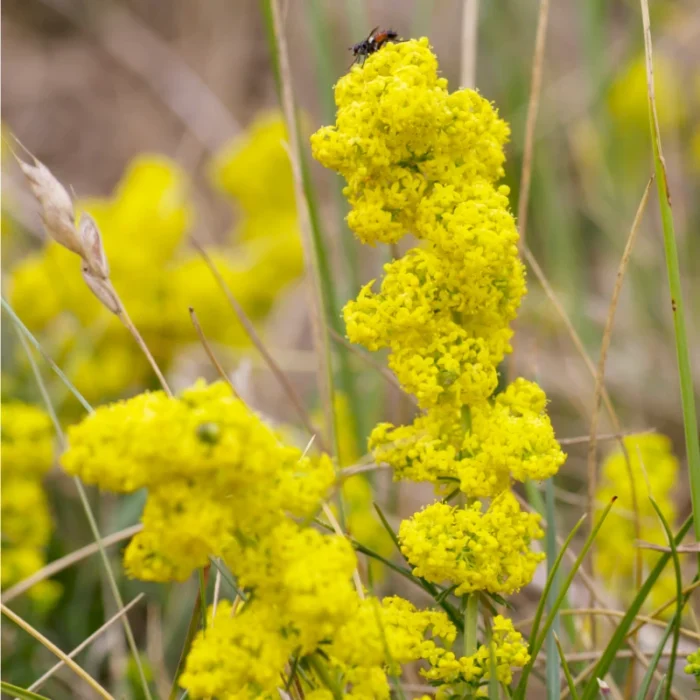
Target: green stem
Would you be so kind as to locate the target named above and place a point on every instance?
(203, 596)
(471, 617)
(690, 421)
(324, 676)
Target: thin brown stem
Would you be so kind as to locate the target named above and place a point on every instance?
(532, 109)
(276, 370)
(129, 325)
(470, 22)
(67, 561)
(210, 353)
(80, 672)
(605, 437)
(366, 357)
(599, 383)
(86, 642)
(320, 333)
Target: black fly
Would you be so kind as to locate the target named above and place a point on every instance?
(376, 39)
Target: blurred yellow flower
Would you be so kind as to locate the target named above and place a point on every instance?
(652, 463)
(628, 99)
(144, 227)
(27, 453)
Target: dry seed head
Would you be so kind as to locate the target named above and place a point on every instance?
(102, 289)
(56, 205)
(94, 254)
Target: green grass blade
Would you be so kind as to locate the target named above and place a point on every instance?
(538, 503)
(654, 662)
(539, 641)
(30, 337)
(690, 421)
(566, 669)
(679, 596)
(387, 527)
(618, 638)
(226, 575)
(551, 653)
(320, 254)
(548, 584)
(21, 693)
(659, 690)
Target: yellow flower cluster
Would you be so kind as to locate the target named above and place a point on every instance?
(482, 447)
(244, 651)
(27, 455)
(476, 551)
(420, 160)
(144, 227)
(507, 650)
(652, 462)
(221, 484)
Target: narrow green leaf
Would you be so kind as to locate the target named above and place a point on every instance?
(617, 640)
(387, 527)
(659, 690)
(538, 503)
(551, 655)
(654, 662)
(18, 692)
(30, 337)
(226, 575)
(202, 596)
(550, 579)
(690, 421)
(566, 669)
(536, 645)
(679, 596)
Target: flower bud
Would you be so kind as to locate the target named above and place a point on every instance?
(102, 289)
(56, 205)
(93, 251)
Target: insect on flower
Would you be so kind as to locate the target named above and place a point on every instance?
(376, 39)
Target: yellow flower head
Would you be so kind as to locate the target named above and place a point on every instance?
(212, 468)
(475, 550)
(399, 132)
